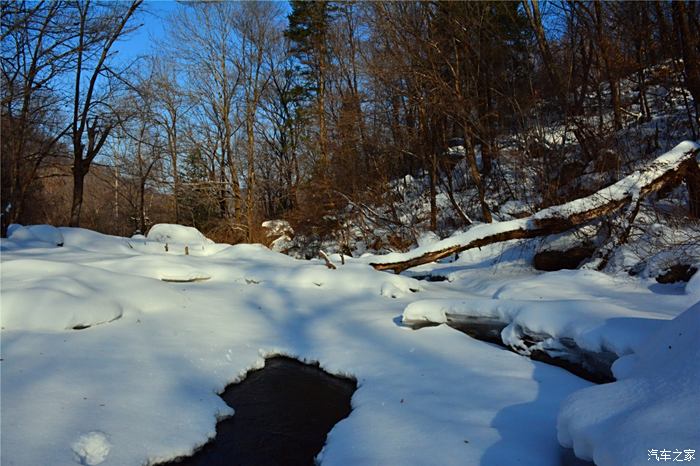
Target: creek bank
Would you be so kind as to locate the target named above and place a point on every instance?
(283, 413)
(593, 366)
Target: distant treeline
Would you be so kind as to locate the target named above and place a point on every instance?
(249, 111)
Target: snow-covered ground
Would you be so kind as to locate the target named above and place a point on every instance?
(161, 332)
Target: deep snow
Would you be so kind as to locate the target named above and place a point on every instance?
(139, 384)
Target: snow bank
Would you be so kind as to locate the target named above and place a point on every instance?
(142, 389)
(594, 326)
(692, 288)
(654, 406)
(171, 233)
(35, 235)
(41, 295)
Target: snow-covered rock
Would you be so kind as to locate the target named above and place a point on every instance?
(654, 405)
(92, 448)
(275, 228)
(35, 235)
(282, 232)
(170, 233)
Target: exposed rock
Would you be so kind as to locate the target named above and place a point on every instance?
(677, 273)
(280, 234)
(550, 261)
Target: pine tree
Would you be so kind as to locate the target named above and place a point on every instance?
(308, 31)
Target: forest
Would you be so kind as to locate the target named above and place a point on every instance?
(314, 112)
(350, 233)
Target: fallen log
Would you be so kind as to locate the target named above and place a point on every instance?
(668, 169)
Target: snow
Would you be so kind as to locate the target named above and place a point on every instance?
(169, 233)
(91, 448)
(654, 404)
(139, 384)
(277, 227)
(36, 235)
(597, 311)
(629, 186)
(692, 288)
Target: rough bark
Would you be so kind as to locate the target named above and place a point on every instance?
(669, 169)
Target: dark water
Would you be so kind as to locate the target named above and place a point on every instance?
(283, 413)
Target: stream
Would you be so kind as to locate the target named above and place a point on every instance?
(283, 413)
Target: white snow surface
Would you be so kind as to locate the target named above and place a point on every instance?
(169, 233)
(654, 405)
(91, 448)
(140, 384)
(35, 235)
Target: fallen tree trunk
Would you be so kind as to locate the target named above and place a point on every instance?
(668, 169)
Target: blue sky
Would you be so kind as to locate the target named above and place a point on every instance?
(152, 16)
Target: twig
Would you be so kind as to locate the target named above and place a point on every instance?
(323, 256)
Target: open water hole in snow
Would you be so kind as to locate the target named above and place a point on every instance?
(283, 413)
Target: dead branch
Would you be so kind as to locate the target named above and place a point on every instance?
(323, 256)
(668, 169)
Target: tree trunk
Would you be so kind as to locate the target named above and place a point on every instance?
(604, 48)
(692, 181)
(691, 56)
(78, 186)
(250, 198)
(433, 192)
(476, 176)
(668, 169)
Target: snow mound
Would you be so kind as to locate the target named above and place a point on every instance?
(91, 448)
(593, 325)
(655, 404)
(170, 233)
(692, 288)
(169, 268)
(428, 238)
(26, 308)
(42, 295)
(281, 244)
(33, 234)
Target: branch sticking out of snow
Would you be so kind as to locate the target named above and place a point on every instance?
(667, 169)
(324, 256)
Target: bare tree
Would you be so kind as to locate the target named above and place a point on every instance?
(258, 28)
(204, 41)
(37, 49)
(94, 118)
